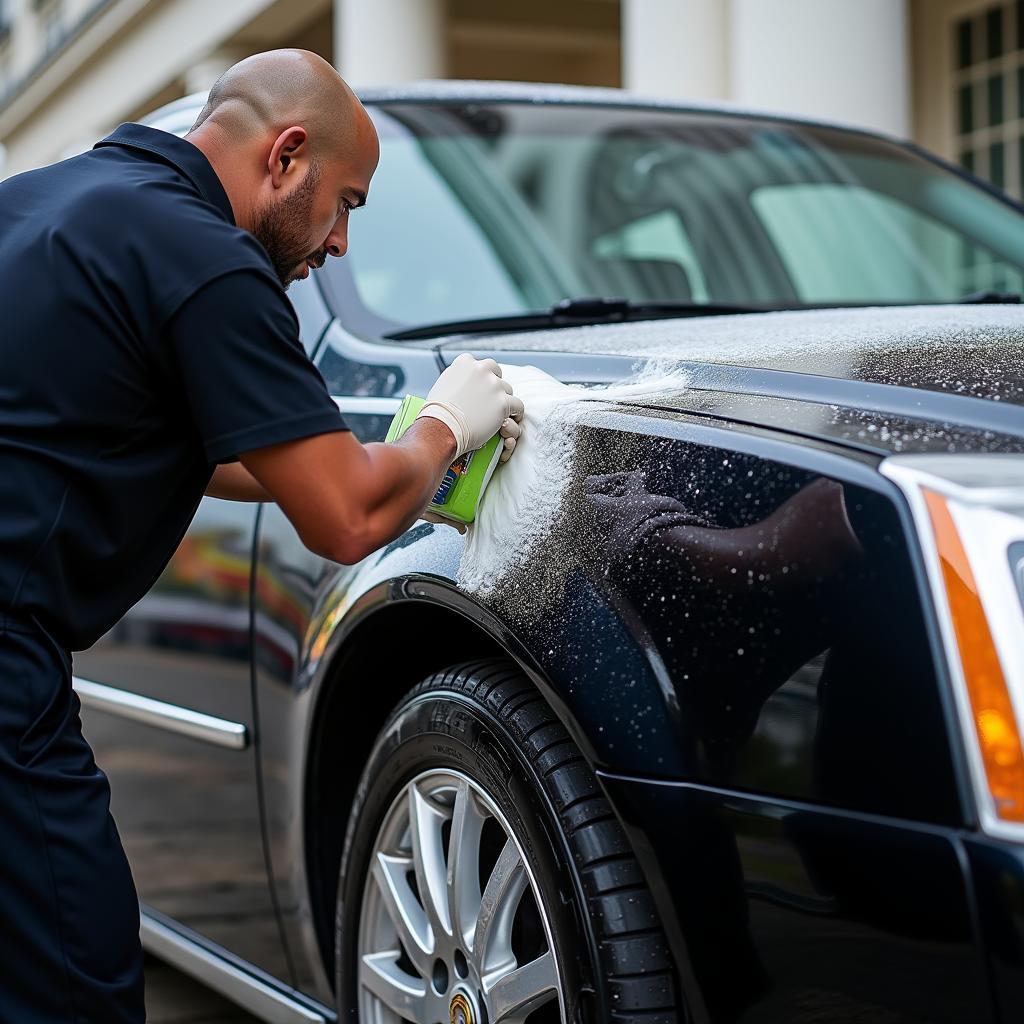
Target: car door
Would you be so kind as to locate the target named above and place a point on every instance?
(169, 710)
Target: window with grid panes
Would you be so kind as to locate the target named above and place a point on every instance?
(988, 60)
(988, 75)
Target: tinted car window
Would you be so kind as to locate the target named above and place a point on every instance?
(503, 208)
(412, 199)
(311, 311)
(655, 242)
(843, 243)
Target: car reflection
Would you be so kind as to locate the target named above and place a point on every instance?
(769, 625)
(771, 588)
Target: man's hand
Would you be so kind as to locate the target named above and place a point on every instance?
(474, 403)
(346, 499)
(631, 513)
(511, 430)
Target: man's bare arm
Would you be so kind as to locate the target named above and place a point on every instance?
(234, 482)
(346, 499)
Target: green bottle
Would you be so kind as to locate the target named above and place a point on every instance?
(459, 494)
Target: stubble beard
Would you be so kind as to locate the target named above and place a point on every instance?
(282, 229)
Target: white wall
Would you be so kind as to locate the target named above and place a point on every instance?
(164, 41)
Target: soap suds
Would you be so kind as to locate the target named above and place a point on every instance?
(521, 503)
(967, 350)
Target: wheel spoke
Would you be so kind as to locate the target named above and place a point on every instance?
(398, 991)
(492, 940)
(464, 863)
(426, 820)
(430, 924)
(408, 917)
(517, 993)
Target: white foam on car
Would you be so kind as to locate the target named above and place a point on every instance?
(520, 505)
(751, 338)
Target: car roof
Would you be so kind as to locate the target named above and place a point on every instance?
(466, 91)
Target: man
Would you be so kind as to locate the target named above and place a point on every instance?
(146, 345)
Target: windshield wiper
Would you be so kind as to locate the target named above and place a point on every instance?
(574, 313)
(986, 297)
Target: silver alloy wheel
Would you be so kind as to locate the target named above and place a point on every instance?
(433, 947)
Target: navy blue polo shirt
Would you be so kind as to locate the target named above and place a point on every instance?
(144, 339)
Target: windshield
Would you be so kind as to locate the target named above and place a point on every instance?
(499, 209)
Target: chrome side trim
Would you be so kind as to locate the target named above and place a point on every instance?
(367, 406)
(218, 731)
(257, 997)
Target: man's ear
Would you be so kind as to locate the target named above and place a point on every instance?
(288, 154)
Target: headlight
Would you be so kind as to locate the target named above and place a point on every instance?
(969, 511)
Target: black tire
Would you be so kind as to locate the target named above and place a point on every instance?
(488, 722)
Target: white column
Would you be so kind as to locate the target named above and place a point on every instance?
(676, 48)
(845, 60)
(379, 42)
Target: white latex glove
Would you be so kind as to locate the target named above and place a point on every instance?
(474, 403)
(511, 430)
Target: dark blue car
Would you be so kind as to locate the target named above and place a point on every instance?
(724, 722)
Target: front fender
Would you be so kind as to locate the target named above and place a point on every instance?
(348, 641)
(418, 569)
(589, 656)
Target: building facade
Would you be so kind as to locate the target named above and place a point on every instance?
(947, 73)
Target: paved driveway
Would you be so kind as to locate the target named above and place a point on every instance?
(174, 998)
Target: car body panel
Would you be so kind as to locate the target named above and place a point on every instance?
(196, 849)
(469, 91)
(878, 419)
(997, 870)
(975, 351)
(788, 912)
(578, 631)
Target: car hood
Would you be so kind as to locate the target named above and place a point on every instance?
(973, 351)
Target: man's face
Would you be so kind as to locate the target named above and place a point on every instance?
(308, 224)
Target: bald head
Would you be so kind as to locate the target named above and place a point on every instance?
(295, 151)
(271, 91)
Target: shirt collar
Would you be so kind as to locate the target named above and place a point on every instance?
(178, 152)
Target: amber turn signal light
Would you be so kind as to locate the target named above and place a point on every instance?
(994, 718)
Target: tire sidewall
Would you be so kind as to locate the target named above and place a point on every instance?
(438, 729)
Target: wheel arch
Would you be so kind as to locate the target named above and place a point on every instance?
(424, 624)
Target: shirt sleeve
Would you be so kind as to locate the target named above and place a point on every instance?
(246, 376)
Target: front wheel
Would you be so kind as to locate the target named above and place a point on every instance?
(485, 879)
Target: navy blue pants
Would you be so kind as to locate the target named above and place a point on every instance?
(69, 916)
